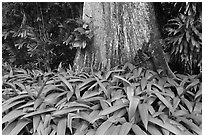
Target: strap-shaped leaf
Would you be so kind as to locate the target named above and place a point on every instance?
(7, 129)
(165, 125)
(66, 82)
(12, 115)
(125, 128)
(153, 130)
(112, 109)
(103, 128)
(61, 126)
(8, 106)
(123, 79)
(132, 107)
(15, 99)
(137, 130)
(144, 115)
(191, 125)
(20, 125)
(36, 121)
(39, 112)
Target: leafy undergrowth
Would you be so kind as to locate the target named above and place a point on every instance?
(123, 101)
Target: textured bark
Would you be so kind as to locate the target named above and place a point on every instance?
(120, 30)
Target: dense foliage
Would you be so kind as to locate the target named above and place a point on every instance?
(183, 33)
(42, 95)
(39, 35)
(125, 101)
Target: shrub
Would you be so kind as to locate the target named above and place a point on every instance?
(184, 41)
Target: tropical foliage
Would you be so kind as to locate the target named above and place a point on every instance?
(184, 37)
(124, 101)
(43, 95)
(39, 35)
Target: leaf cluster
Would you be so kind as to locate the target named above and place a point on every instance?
(184, 40)
(34, 34)
(123, 101)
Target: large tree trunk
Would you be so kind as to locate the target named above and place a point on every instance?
(120, 30)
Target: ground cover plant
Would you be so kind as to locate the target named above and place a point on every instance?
(126, 100)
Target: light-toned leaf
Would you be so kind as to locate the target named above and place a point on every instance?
(26, 105)
(66, 111)
(103, 128)
(165, 125)
(19, 126)
(180, 113)
(167, 103)
(102, 86)
(39, 112)
(137, 130)
(87, 83)
(38, 102)
(193, 84)
(188, 104)
(12, 115)
(191, 125)
(47, 120)
(13, 99)
(176, 102)
(104, 104)
(77, 104)
(130, 93)
(113, 71)
(123, 79)
(8, 106)
(61, 126)
(132, 107)
(143, 83)
(40, 129)
(51, 99)
(90, 94)
(36, 121)
(110, 130)
(91, 132)
(153, 130)
(144, 115)
(112, 109)
(9, 127)
(82, 130)
(116, 130)
(66, 82)
(125, 128)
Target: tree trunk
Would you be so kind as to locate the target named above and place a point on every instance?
(120, 30)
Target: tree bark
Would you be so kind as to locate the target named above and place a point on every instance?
(120, 30)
